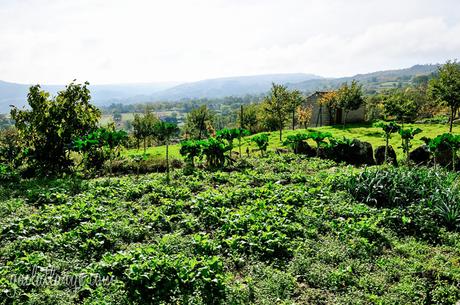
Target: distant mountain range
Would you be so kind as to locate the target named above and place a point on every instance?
(15, 94)
(370, 81)
(231, 86)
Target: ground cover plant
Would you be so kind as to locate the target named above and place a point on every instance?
(282, 229)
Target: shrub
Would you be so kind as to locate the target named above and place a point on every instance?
(100, 145)
(261, 141)
(10, 147)
(8, 174)
(49, 126)
(319, 138)
(215, 150)
(445, 146)
(298, 143)
(407, 135)
(190, 150)
(388, 128)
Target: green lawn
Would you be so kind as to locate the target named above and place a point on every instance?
(363, 132)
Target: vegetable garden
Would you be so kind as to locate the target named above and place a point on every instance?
(285, 229)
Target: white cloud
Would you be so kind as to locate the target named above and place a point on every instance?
(54, 41)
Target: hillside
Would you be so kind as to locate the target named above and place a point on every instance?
(15, 94)
(371, 81)
(11, 94)
(230, 86)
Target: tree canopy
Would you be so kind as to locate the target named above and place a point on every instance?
(48, 128)
(445, 87)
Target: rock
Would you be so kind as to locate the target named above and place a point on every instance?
(444, 156)
(380, 155)
(282, 151)
(420, 155)
(305, 149)
(358, 153)
(361, 153)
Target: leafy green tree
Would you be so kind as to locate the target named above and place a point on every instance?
(144, 127)
(276, 106)
(401, 106)
(199, 123)
(261, 141)
(163, 133)
(251, 118)
(48, 128)
(350, 98)
(330, 101)
(388, 128)
(296, 99)
(445, 88)
(228, 134)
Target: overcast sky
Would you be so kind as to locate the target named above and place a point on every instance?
(111, 41)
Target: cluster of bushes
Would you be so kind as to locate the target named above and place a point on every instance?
(217, 150)
(351, 151)
(441, 150)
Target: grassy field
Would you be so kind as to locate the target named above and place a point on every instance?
(363, 132)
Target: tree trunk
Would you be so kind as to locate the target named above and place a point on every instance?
(293, 119)
(202, 127)
(345, 119)
(281, 134)
(145, 146)
(451, 119)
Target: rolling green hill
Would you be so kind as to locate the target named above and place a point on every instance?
(374, 81)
